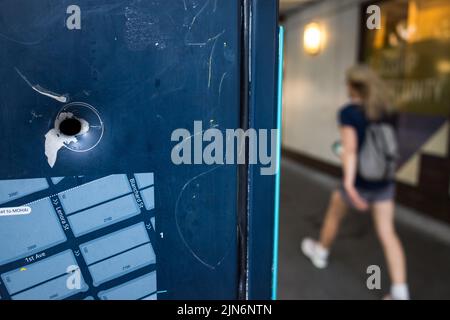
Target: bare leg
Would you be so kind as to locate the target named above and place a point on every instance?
(383, 216)
(335, 212)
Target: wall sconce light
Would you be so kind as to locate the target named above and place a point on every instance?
(313, 38)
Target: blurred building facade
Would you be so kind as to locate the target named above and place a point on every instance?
(410, 50)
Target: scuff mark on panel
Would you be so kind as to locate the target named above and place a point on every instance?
(213, 263)
(58, 97)
(172, 90)
(198, 14)
(22, 42)
(34, 116)
(196, 44)
(144, 28)
(211, 57)
(221, 83)
(34, 26)
(204, 43)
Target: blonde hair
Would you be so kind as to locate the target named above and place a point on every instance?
(372, 90)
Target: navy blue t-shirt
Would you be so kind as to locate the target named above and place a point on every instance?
(353, 115)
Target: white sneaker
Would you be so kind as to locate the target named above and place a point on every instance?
(315, 252)
(399, 291)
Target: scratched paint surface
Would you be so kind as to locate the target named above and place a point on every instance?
(147, 67)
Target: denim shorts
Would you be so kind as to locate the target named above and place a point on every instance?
(371, 195)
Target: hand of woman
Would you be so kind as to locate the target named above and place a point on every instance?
(356, 199)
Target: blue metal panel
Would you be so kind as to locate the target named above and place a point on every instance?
(263, 115)
(277, 178)
(146, 68)
(136, 71)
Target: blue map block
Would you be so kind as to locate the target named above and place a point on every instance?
(38, 272)
(24, 235)
(55, 289)
(103, 215)
(88, 207)
(133, 290)
(144, 180)
(114, 243)
(94, 192)
(56, 180)
(15, 189)
(122, 264)
(148, 195)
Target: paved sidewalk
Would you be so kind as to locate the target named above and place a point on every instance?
(304, 197)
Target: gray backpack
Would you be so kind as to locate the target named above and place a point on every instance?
(379, 153)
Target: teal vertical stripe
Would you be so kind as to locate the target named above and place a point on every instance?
(278, 159)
